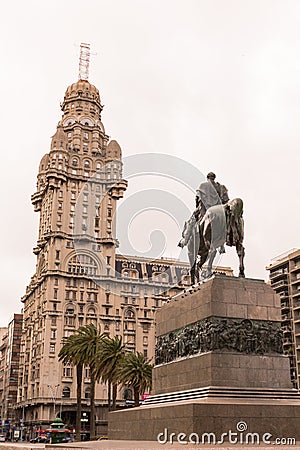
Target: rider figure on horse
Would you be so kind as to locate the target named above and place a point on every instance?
(209, 194)
(216, 221)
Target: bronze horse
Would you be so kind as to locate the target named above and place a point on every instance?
(221, 224)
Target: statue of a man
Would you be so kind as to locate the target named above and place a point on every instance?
(210, 193)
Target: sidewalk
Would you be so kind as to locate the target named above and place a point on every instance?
(137, 445)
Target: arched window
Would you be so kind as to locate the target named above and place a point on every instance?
(92, 311)
(84, 264)
(66, 392)
(87, 164)
(127, 394)
(70, 309)
(87, 392)
(75, 162)
(129, 314)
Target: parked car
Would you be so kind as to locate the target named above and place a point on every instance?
(40, 439)
(2, 438)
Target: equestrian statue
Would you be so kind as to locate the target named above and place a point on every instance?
(215, 222)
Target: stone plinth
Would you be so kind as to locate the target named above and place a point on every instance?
(235, 301)
(218, 361)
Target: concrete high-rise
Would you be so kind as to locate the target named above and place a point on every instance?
(285, 280)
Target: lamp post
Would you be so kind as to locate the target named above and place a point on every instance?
(53, 390)
(22, 424)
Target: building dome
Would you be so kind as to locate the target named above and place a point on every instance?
(81, 91)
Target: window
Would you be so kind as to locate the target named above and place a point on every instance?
(57, 254)
(84, 264)
(53, 334)
(73, 195)
(87, 372)
(53, 321)
(55, 281)
(52, 348)
(70, 309)
(55, 293)
(66, 392)
(85, 135)
(129, 314)
(70, 321)
(87, 392)
(68, 371)
(54, 307)
(145, 340)
(59, 205)
(87, 164)
(145, 301)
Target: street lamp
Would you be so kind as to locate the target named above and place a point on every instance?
(53, 390)
(22, 424)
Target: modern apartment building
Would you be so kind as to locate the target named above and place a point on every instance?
(285, 280)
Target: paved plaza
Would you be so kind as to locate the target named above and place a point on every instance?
(136, 445)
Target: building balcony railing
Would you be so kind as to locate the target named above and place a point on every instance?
(278, 273)
(279, 284)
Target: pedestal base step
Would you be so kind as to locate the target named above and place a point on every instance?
(224, 392)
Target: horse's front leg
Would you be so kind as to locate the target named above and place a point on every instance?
(241, 254)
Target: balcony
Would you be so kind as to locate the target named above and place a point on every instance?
(278, 273)
(279, 284)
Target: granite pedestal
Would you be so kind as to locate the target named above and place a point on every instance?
(219, 361)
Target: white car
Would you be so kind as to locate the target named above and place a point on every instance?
(2, 438)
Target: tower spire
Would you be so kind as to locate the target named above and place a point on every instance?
(84, 61)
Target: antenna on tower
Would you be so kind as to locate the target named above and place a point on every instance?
(84, 61)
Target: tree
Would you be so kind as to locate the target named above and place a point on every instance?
(84, 346)
(136, 371)
(69, 354)
(111, 355)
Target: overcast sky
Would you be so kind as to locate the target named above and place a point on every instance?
(214, 82)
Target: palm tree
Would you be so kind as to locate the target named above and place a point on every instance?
(69, 354)
(89, 342)
(136, 371)
(111, 355)
(82, 348)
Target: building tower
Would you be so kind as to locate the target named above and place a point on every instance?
(62, 294)
(285, 280)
